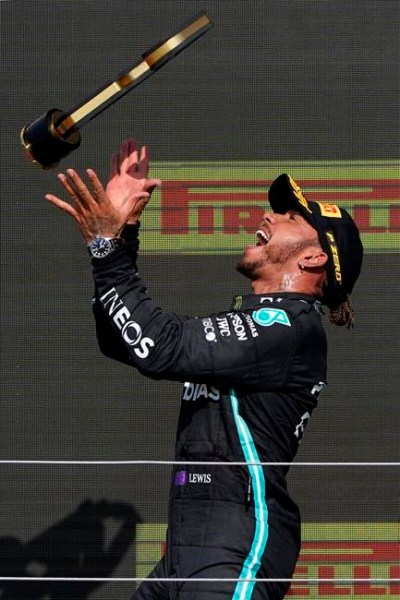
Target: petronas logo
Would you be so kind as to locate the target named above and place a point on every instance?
(269, 316)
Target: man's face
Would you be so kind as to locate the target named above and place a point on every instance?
(279, 239)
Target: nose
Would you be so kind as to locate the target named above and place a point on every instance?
(271, 217)
(268, 217)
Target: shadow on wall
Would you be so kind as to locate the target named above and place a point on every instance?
(90, 542)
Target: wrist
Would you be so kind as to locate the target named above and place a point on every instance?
(130, 233)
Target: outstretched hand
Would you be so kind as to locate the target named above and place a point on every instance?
(129, 172)
(104, 212)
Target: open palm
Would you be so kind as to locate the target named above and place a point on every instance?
(101, 212)
(129, 177)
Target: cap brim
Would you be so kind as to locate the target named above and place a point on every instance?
(285, 194)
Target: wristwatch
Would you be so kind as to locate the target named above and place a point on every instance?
(100, 247)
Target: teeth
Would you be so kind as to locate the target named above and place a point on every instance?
(263, 236)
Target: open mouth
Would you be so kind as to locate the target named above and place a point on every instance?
(263, 237)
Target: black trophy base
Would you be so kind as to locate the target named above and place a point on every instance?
(43, 142)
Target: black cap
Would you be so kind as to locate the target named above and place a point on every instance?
(338, 235)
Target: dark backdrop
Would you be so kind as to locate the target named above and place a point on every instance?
(276, 80)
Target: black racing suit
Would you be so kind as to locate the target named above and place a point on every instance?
(253, 374)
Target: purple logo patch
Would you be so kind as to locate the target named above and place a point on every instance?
(180, 478)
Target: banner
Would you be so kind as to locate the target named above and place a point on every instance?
(329, 551)
(217, 207)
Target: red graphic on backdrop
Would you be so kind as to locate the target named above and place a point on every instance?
(243, 202)
(326, 559)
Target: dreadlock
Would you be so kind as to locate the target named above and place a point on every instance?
(342, 314)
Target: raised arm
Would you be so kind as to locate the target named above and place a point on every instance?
(102, 213)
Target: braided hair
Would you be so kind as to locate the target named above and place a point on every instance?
(342, 314)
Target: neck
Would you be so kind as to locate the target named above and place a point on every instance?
(300, 282)
(286, 284)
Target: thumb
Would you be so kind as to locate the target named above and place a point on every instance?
(140, 205)
(151, 184)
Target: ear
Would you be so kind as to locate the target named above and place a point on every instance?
(312, 258)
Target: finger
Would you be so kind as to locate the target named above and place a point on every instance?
(68, 187)
(97, 186)
(114, 169)
(133, 144)
(129, 147)
(65, 206)
(82, 194)
(151, 184)
(131, 157)
(125, 148)
(144, 162)
(139, 207)
(142, 197)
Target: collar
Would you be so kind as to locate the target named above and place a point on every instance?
(253, 300)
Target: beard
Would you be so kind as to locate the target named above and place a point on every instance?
(271, 255)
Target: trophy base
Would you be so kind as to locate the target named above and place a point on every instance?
(43, 142)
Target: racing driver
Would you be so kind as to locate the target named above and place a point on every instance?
(251, 374)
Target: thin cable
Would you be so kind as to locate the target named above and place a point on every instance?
(310, 580)
(185, 463)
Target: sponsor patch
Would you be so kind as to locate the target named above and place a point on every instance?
(223, 326)
(270, 299)
(238, 327)
(209, 330)
(269, 316)
(329, 210)
(251, 325)
(180, 478)
(195, 391)
(299, 194)
(335, 256)
(317, 388)
(300, 428)
(130, 330)
(199, 477)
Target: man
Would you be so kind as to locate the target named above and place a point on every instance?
(252, 374)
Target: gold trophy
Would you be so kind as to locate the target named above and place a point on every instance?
(55, 134)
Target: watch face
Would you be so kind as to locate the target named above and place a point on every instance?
(100, 247)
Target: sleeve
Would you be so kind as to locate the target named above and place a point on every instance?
(109, 341)
(130, 234)
(231, 348)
